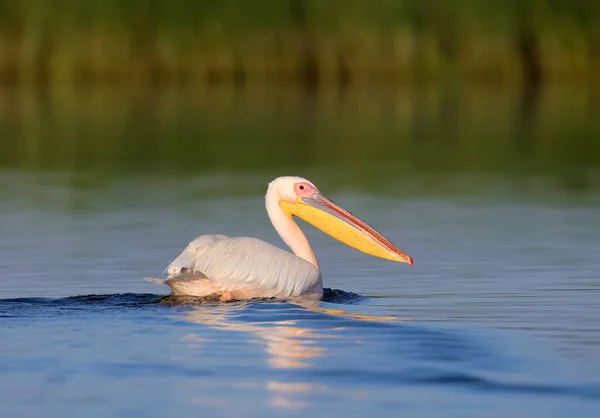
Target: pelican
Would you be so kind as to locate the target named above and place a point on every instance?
(239, 268)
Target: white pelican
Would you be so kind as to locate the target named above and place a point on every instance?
(245, 268)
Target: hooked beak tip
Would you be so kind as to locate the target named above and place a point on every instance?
(406, 259)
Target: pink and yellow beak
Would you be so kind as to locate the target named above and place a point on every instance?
(343, 226)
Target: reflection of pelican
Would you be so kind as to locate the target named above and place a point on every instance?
(244, 268)
(287, 346)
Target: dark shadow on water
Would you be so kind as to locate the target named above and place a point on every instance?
(139, 299)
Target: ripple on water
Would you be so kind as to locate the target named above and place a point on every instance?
(118, 338)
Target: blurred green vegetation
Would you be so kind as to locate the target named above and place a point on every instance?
(424, 139)
(308, 41)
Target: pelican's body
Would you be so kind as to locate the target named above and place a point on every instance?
(242, 268)
(246, 268)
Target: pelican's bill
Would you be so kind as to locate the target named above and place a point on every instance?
(337, 222)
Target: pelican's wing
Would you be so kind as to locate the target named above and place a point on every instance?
(216, 263)
(186, 260)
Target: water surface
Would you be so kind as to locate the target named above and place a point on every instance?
(498, 203)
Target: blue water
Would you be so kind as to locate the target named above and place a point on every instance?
(495, 318)
(141, 355)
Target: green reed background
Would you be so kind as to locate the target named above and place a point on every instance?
(309, 41)
(418, 93)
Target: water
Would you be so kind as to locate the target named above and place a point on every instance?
(496, 199)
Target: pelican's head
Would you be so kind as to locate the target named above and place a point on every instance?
(299, 197)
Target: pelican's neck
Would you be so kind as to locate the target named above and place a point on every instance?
(289, 230)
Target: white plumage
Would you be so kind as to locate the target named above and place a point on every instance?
(219, 264)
